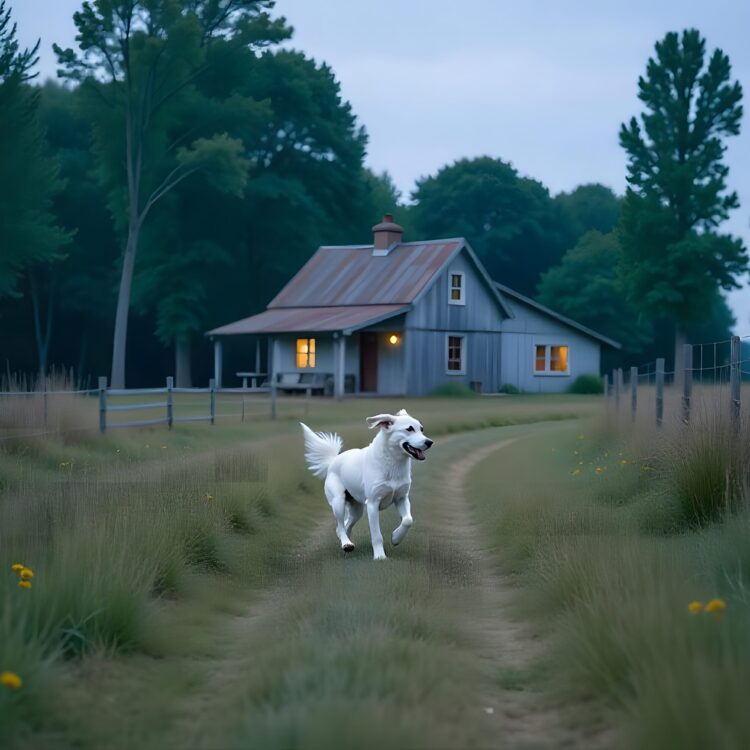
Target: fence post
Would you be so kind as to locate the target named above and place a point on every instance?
(170, 403)
(634, 391)
(102, 404)
(605, 378)
(46, 410)
(212, 399)
(273, 397)
(659, 391)
(616, 383)
(735, 380)
(687, 381)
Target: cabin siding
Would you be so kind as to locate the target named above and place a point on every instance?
(530, 327)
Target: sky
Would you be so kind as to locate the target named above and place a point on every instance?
(543, 84)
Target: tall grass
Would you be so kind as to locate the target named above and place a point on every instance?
(611, 542)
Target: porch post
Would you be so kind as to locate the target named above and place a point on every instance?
(217, 361)
(257, 354)
(340, 367)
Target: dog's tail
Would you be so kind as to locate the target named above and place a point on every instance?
(320, 449)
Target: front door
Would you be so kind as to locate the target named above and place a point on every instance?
(368, 362)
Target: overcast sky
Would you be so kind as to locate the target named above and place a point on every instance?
(541, 83)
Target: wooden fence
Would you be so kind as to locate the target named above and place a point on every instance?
(729, 373)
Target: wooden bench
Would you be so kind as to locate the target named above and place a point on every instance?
(301, 382)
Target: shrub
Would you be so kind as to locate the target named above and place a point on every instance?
(510, 389)
(585, 384)
(453, 390)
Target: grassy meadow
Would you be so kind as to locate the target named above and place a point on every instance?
(188, 590)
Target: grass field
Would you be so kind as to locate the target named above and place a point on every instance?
(188, 590)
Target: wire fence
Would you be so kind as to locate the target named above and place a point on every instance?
(710, 371)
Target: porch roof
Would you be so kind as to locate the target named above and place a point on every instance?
(345, 318)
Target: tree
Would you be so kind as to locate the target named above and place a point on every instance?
(139, 61)
(591, 206)
(674, 260)
(586, 286)
(29, 235)
(510, 221)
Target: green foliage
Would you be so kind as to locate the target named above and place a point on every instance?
(588, 207)
(673, 258)
(586, 286)
(590, 384)
(29, 235)
(510, 221)
(453, 390)
(510, 389)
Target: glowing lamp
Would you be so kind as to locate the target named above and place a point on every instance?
(394, 339)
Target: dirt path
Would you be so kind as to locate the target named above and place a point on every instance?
(525, 719)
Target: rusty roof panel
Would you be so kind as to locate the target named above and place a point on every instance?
(354, 276)
(310, 319)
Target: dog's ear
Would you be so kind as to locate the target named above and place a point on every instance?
(381, 420)
(402, 413)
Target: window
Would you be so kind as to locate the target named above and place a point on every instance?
(456, 294)
(305, 353)
(455, 355)
(551, 359)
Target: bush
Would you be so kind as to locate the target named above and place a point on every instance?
(510, 389)
(453, 390)
(585, 384)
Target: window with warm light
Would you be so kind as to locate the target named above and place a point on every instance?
(456, 294)
(305, 353)
(455, 355)
(551, 359)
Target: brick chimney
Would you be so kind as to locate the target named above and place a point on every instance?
(386, 234)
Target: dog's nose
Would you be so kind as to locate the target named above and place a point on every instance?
(428, 443)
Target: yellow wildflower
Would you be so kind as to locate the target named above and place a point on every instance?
(599, 470)
(25, 584)
(17, 567)
(163, 447)
(576, 472)
(716, 606)
(623, 461)
(10, 680)
(209, 498)
(26, 573)
(695, 607)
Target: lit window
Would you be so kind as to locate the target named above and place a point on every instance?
(456, 296)
(551, 359)
(305, 353)
(455, 354)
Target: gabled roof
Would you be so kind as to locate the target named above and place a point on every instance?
(353, 275)
(567, 321)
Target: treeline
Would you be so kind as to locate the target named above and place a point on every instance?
(188, 165)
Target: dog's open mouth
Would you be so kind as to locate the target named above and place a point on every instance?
(415, 453)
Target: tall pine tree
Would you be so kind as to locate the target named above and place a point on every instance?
(674, 258)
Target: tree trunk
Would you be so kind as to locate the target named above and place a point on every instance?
(123, 305)
(42, 333)
(183, 371)
(680, 339)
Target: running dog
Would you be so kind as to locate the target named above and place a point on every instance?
(373, 477)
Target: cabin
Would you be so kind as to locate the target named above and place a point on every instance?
(404, 318)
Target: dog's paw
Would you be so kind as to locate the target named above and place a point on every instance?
(348, 547)
(380, 556)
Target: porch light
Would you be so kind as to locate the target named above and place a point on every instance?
(394, 339)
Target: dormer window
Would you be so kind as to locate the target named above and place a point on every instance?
(457, 289)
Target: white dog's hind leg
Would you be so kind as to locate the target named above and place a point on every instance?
(403, 507)
(373, 517)
(354, 511)
(336, 495)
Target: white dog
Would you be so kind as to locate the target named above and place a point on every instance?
(371, 477)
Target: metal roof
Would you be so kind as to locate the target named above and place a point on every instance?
(352, 275)
(311, 319)
(567, 321)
